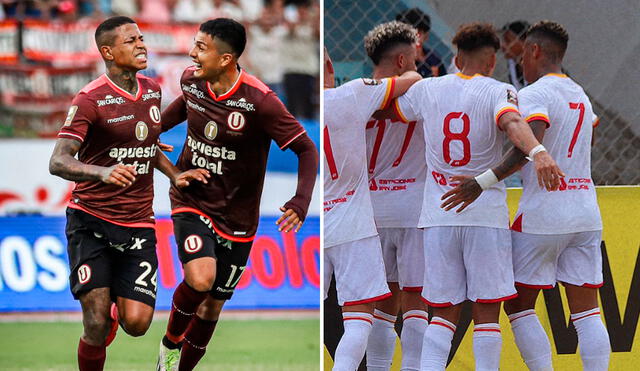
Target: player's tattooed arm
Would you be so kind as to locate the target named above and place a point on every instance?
(64, 164)
(179, 179)
(468, 189)
(521, 136)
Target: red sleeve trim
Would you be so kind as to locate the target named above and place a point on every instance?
(398, 112)
(391, 86)
(72, 205)
(502, 112)
(75, 136)
(215, 228)
(538, 117)
(370, 300)
(292, 139)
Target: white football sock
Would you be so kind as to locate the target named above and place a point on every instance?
(532, 340)
(353, 343)
(436, 344)
(593, 340)
(487, 345)
(382, 342)
(414, 323)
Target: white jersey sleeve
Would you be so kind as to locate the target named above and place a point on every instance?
(563, 105)
(505, 99)
(348, 212)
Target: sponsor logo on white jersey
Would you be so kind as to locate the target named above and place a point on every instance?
(109, 99)
(193, 89)
(120, 119)
(241, 103)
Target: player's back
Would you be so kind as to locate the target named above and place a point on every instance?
(347, 206)
(462, 138)
(563, 104)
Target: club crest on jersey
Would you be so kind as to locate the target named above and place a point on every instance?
(193, 244)
(211, 130)
(236, 121)
(141, 131)
(154, 113)
(84, 274)
(70, 115)
(371, 81)
(512, 97)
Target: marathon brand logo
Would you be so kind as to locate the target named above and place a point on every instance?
(193, 89)
(121, 154)
(151, 95)
(120, 119)
(195, 106)
(207, 156)
(241, 103)
(108, 100)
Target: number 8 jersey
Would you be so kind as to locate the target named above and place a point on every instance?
(563, 105)
(460, 115)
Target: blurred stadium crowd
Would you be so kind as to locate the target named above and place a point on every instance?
(47, 52)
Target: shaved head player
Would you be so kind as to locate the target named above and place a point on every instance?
(113, 126)
(232, 118)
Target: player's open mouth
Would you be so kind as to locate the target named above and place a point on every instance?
(142, 57)
(198, 65)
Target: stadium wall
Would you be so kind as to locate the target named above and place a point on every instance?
(619, 298)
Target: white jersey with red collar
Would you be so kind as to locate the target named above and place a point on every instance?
(348, 214)
(564, 106)
(460, 115)
(397, 170)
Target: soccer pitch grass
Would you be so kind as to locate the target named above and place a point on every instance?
(237, 345)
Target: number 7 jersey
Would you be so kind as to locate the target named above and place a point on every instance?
(564, 106)
(460, 115)
(348, 213)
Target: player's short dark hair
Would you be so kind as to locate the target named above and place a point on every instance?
(552, 32)
(473, 36)
(229, 31)
(416, 18)
(519, 28)
(108, 25)
(386, 36)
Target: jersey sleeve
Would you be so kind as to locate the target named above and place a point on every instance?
(533, 106)
(404, 106)
(595, 120)
(505, 99)
(81, 114)
(279, 124)
(373, 95)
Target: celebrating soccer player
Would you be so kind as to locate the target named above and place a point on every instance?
(232, 118)
(113, 126)
(556, 235)
(352, 249)
(397, 170)
(468, 254)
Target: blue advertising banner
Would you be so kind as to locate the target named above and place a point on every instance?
(283, 269)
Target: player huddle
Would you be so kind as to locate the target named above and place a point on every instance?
(215, 187)
(415, 211)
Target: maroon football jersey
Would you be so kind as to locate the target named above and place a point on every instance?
(116, 128)
(230, 135)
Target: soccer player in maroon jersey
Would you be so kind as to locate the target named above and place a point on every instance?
(232, 118)
(113, 126)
